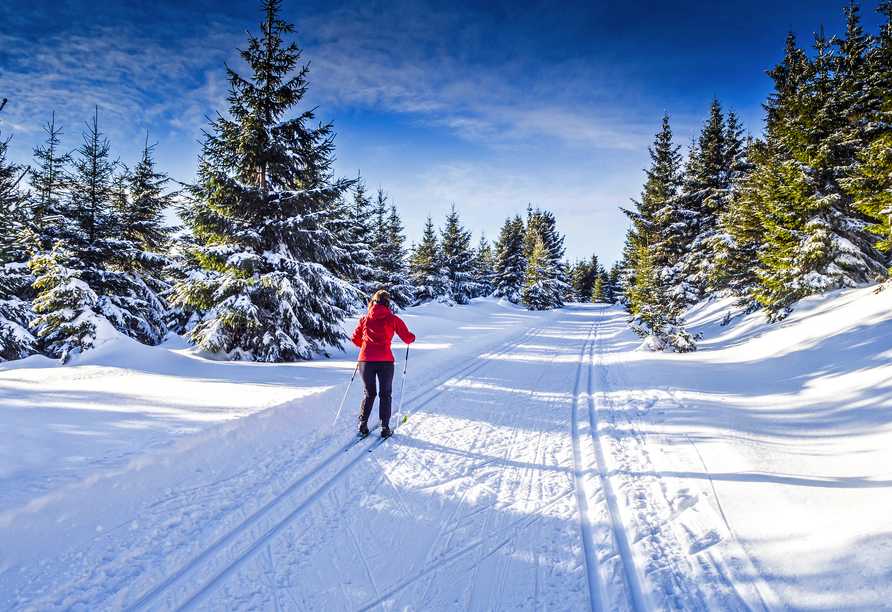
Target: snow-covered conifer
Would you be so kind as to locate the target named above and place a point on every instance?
(814, 238)
(426, 269)
(66, 305)
(510, 261)
(268, 217)
(484, 265)
(458, 260)
(542, 288)
(48, 183)
(16, 236)
(542, 227)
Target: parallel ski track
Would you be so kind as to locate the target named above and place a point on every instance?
(184, 573)
(621, 535)
(595, 585)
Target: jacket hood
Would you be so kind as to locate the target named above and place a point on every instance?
(379, 312)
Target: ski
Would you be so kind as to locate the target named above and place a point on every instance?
(382, 440)
(359, 437)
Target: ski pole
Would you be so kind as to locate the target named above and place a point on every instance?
(355, 370)
(403, 387)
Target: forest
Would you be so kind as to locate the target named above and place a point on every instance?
(274, 251)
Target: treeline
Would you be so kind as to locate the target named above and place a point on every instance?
(804, 209)
(274, 252)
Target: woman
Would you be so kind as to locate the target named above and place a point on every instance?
(373, 335)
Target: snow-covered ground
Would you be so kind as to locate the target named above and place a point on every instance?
(545, 464)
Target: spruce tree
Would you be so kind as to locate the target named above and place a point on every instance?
(510, 261)
(484, 266)
(387, 259)
(869, 180)
(268, 216)
(542, 227)
(426, 269)
(16, 237)
(658, 230)
(357, 237)
(815, 240)
(66, 304)
(458, 260)
(541, 289)
(49, 182)
(96, 253)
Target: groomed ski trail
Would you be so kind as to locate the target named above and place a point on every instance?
(527, 478)
(202, 569)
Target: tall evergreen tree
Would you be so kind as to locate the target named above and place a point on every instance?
(814, 238)
(48, 181)
(869, 181)
(264, 210)
(458, 260)
(357, 237)
(426, 268)
(16, 223)
(484, 266)
(387, 258)
(510, 261)
(541, 289)
(542, 227)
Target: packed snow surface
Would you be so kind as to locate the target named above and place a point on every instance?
(546, 463)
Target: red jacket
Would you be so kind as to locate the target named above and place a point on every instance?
(375, 331)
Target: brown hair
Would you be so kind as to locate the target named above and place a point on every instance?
(381, 297)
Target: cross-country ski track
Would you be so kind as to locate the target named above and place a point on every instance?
(533, 473)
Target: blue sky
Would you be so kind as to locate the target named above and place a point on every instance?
(487, 105)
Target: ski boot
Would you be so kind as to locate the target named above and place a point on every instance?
(363, 428)
(385, 430)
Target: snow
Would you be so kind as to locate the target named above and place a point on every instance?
(545, 464)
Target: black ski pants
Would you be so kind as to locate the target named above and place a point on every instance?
(369, 371)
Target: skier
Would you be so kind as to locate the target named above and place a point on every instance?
(373, 335)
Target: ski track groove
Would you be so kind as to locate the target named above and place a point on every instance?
(620, 531)
(435, 390)
(596, 588)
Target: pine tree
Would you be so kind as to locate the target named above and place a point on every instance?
(387, 255)
(426, 268)
(99, 256)
(542, 227)
(541, 290)
(49, 182)
(869, 181)
(738, 237)
(66, 304)
(484, 266)
(660, 229)
(584, 276)
(510, 261)
(707, 195)
(656, 315)
(16, 235)
(357, 238)
(814, 238)
(268, 217)
(458, 260)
